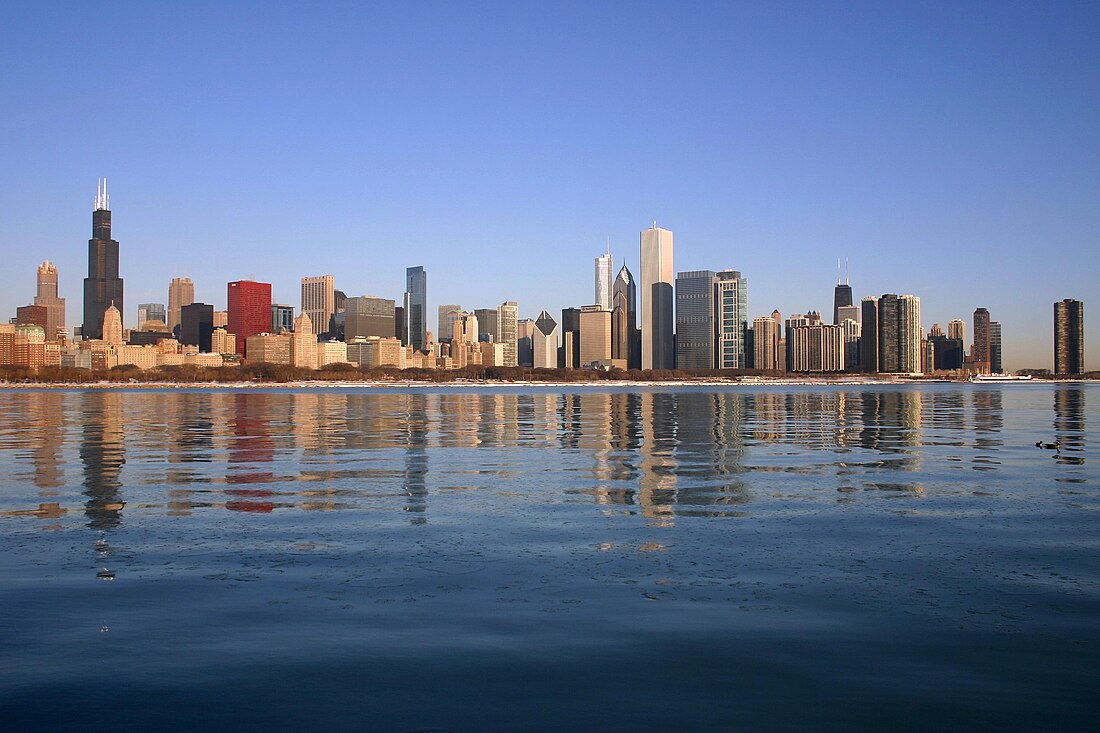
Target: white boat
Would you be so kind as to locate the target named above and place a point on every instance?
(1000, 378)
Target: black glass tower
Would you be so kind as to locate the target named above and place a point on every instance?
(103, 286)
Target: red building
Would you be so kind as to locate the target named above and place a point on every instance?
(249, 311)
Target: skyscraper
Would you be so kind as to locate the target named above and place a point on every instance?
(695, 329)
(595, 334)
(979, 350)
(112, 326)
(46, 296)
(731, 319)
(416, 306)
(249, 310)
(303, 344)
(507, 315)
(368, 316)
(544, 342)
(657, 298)
(625, 342)
(151, 312)
(766, 332)
(282, 317)
(103, 286)
(842, 295)
(899, 334)
(570, 338)
(446, 318)
(1069, 337)
(197, 325)
(995, 363)
(181, 292)
(487, 329)
(604, 275)
(319, 302)
(868, 338)
(956, 329)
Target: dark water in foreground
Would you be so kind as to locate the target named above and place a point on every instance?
(875, 558)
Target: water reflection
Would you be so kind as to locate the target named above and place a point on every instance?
(660, 454)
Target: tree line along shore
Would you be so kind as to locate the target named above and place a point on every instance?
(280, 373)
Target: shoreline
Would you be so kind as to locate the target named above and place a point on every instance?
(503, 384)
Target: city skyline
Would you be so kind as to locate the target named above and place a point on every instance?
(951, 169)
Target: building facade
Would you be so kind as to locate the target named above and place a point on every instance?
(595, 335)
(731, 319)
(181, 292)
(604, 276)
(319, 302)
(507, 316)
(626, 342)
(544, 342)
(656, 300)
(282, 317)
(367, 316)
(1069, 337)
(46, 296)
(695, 327)
(197, 326)
(416, 307)
(249, 311)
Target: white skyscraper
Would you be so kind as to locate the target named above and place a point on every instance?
(656, 298)
(604, 279)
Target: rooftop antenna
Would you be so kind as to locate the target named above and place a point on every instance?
(838, 271)
(847, 271)
(609, 245)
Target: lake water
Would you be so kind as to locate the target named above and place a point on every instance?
(567, 559)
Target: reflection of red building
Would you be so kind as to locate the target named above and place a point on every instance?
(249, 310)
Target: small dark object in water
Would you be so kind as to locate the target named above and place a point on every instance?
(1056, 445)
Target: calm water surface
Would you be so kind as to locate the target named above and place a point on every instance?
(849, 557)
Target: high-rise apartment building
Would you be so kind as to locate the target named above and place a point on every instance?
(181, 292)
(996, 365)
(416, 307)
(249, 311)
(868, 339)
(731, 320)
(318, 302)
(816, 348)
(657, 298)
(446, 317)
(103, 286)
(956, 329)
(626, 342)
(604, 277)
(595, 335)
(766, 331)
(197, 326)
(979, 350)
(544, 342)
(368, 316)
(1069, 337)
(695, 327)
(899, 334)
(46, 296)
(507, 315)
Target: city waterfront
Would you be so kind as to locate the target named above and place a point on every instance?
(621, 558)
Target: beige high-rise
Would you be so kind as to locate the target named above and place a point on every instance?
(303, 343)
(656, 286)
(112, 326)
(507, 315)
(319, 301)
(181, 292)
(595, 334)
(47, 296)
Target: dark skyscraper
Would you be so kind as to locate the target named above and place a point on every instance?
(695, 320)
(868, 340)
(842, 295)
(416, 306)
(1069, 337)
(979, 349)
(570, 338)
(103, 286)
(197, 325)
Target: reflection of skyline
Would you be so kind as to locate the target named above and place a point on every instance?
(103, 453)
(660, 454)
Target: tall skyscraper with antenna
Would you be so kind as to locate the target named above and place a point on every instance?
(657, 299)
(103, 286)
(842, 294)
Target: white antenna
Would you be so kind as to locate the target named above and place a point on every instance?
(838, 271)
(847, 271)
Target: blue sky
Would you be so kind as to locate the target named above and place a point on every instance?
(949, 150)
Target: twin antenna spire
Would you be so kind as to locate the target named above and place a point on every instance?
(846, 271)
(102, 200)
